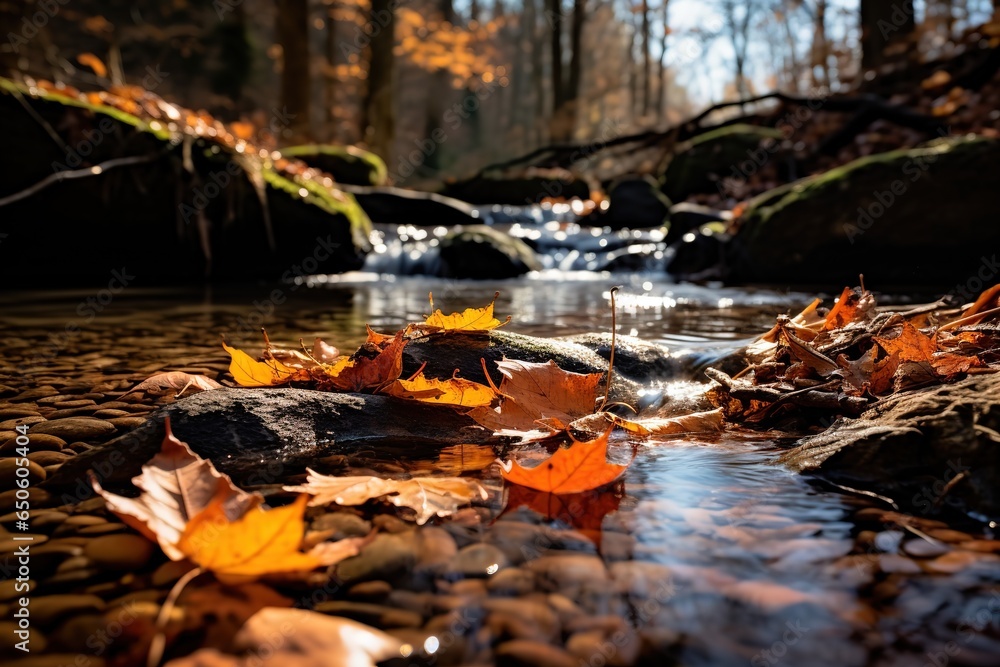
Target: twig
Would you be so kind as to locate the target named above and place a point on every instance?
(611, 357)
(159, 642)
(41, 121)
(96, 170)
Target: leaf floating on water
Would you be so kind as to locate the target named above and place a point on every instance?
(580, 467)
(427, 496)
(279, 637)
(533, 391)
(699, 423)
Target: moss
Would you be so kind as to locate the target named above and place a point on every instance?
(330, 200)
(349, 154)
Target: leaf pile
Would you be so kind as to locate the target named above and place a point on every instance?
(841, 362)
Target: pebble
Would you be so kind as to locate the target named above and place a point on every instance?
(370, 590)
(119, 552)
(87, 411)
(73, 403)
(102, 529)
(168, 573)
(45, 559)
(896, 564)
(37, 394)
(46, 459)
(46, 609)
(9, 467)
(344, 524)
(949, 535)
(79, 634)
(477, 560)
(12, 424)
(528, 653)
(39, 442)
(385, 557)
(8, 591)
(642, 579)
(15, 412)
(985, 546)
(921, 548)
(37, 497)
(512, 581)
(371, 614)
(569, 571)
(127, 423)
(111, 413)
(435, 548)
(538, 619)
(76, 428)
(38, 519)
(594, 646)
(38, 641)
(956, 561)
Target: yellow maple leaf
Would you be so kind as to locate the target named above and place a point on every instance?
(454, 391)
(248, 372)
(471, 320)
(258, 543)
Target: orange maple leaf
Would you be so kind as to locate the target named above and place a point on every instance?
(370, 368)
(580, 467)
(453, 391)
(910, 344)
(471, 320)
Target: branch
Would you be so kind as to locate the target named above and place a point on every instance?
(58, 176)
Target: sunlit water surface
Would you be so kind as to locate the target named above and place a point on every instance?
(746, 563)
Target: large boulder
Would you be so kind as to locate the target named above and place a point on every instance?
(514, 191)
(927, 449)
(634, 202)
(484, 253)
(700, 164)
(924, 215)
(169, 204)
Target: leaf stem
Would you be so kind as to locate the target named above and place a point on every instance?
(159, 642)
(611, 358)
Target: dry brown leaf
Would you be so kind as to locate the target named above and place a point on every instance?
(279, 637)
(532, 391)
(710, 421)
(427, 496)
(176, 380)
(176, 486)
(909, 343)
(370, 368)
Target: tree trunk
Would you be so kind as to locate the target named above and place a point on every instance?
(572, 102)
(661, 96)
(819, 73)
(883, 23)
(379, 112)
(646, 61)
(558, 130)
(292, 28)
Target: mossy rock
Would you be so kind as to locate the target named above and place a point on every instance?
(347, 164)
(484, 253)
(926, 215)
(188, 208)
(517, 191)
(634, 202)
(701, 163)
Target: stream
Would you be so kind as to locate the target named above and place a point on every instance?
(709, 555)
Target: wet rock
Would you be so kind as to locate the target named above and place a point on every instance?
(517, 191)
(11, 424)
(40, 442)
(371, 614)
(386, 557)
(38, 642)
(74, 634)
(542, 622)
(642, 579)
(484, 253)
(11, 589)
(35, 393)
(933, 204)
(119, 552)
(527, 653)
(634, 202)
(911, 445)
(920, 548)
(344, 524)
(46, 609)
(370, 591)
(687, 216)
(512, 581)
(347, 164)
(435, 548)
(168, 573)
(260, 435)
(14, 412)
(75, 428)
(9, 468)
(617, 649)
(476, 560)
(46, 459)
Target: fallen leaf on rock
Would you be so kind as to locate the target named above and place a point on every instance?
(532, 391)
(909, 343)
(852, 306)
(176, 380)
(321, 354)
(258, 543)
(370, 368)
(867, 374)
(453, 391)
(427, 496)
(248, 372)
(176, 485)
(471, 320)
(580, 467)
(278, 637)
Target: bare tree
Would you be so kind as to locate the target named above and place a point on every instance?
(881, 24)
(661, 95)
(646, 60)
(737, 17)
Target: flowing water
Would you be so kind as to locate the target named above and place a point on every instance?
(712, 555)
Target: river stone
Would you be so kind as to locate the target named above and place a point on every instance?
(344, 524)
(384, 558)
(512, 581)
(119, 552)
(8, 472)
(476, 560)
(39, 442)
(75, 428)
(258, 436)
(45, 459)
(934, 205)
(484, 253)
(538, 615)
(528, 653)
(371, 614)
(46, 609)
(14, 412)
(634, 202)
(11, 424)
(910, 445)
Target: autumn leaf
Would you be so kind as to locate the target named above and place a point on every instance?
(533, 391)
(321, 353)
(453, 392)
(580, 467)
(867, 374)
(258, 543)
(370, 368)
(248, 372)
(710, 421)
(910, 344)
(427, 496)
(583, 511)
(280, 637)
(471, 320)
(176, 380)
(176, 486)
(853, 305)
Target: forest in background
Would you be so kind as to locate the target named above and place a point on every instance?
(441, 88)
